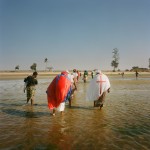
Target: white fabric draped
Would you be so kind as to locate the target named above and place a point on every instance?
(99, 84)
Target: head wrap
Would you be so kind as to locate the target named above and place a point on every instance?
(74, 70)
(98, 71)
(64, 72)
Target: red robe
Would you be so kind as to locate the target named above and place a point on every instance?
(58, 90)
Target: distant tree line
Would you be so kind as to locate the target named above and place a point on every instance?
(114, 64)
(33, 67)
(136, 68)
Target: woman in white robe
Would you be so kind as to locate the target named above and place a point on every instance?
(98, 87)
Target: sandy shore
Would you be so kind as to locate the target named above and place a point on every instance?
(4, 75)
(18, 75)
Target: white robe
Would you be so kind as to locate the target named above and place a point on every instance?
(61, 107)
(99, 84)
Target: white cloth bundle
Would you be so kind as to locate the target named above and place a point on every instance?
(99, 84)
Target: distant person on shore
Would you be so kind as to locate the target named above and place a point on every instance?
(59, 92)
(122, 74)
(92, 74)
(98, 88)
(30, 83)
(136, 74)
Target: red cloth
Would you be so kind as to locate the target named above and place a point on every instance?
(58, 90)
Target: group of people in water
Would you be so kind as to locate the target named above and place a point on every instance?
(63, 86)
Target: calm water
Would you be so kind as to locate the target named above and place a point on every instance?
(122, 124)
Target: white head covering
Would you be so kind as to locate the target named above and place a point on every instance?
(67, 70)
(98, 71)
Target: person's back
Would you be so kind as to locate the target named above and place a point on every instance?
(98, 87)
(58, 92)
(30, 82)
(73, 86)
(85, 73)
(136, 73)
(85, 76)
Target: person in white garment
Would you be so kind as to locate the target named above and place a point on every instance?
(75, 74)
(98, 88)
(73, 86)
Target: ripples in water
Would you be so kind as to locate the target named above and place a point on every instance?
(123, 123)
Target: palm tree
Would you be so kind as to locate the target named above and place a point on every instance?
(45, 61)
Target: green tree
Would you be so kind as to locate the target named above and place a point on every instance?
(115, 61)
(17, 67)
(45, 61)
(33, 66)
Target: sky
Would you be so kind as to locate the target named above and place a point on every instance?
(72, 34)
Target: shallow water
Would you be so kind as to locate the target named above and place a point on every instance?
(123, 123)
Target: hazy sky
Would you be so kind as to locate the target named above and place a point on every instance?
(74, 33)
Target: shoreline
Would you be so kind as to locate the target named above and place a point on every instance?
(7, 75)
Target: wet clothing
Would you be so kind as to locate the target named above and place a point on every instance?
(58, 91)
(30, 83)
(30, 92)
(98, 87)
(85, 74)
(101, 100)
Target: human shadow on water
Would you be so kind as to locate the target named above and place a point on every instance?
(26, 114)
(20, 104)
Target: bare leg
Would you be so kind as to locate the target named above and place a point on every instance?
(28, 100)
(71, 97)
(102, 98)
(54, 112)
(32, 101)
(101, 105)
(62, 113)
(70, 102)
